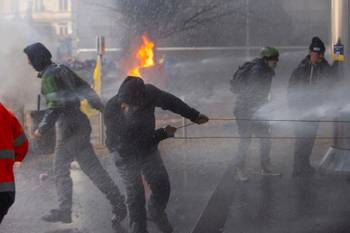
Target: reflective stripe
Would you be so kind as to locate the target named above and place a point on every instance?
(7, 187)
(20, 140)
(7, 154)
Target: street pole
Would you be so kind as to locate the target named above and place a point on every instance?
(247, 30)
(101, 47)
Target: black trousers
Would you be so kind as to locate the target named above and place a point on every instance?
(151, 167)
(306, 134)
(6, 201)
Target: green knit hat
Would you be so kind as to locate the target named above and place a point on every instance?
(270, 53)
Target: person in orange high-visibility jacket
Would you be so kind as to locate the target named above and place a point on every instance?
(13, 148)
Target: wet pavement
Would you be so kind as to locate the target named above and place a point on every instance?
(196, 167)
(274, 205)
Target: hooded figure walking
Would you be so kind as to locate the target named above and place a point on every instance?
(63, 91)
(133, 141)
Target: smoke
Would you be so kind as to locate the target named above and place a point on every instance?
(332, 101)
(18, 83)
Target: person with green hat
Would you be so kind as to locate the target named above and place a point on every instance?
(252, 84)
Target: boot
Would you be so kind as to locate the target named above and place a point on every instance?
(56, 215)
(308, 171)
(138, 227)
(162, 222)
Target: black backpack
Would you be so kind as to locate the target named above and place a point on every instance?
(239, 77)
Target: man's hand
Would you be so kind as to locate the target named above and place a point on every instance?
(170, 131)
(37, 134)
(202, 119)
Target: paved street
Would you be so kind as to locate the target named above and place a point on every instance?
(195, 167)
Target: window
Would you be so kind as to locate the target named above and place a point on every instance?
(38, 5)
(63, 5)
(2, 5)
(63, 29)
(14, 6)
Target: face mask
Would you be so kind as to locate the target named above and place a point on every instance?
(272, 64)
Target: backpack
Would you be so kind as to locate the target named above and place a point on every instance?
(239, 77)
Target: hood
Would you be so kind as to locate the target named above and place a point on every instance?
(39, 56)
(132, 91)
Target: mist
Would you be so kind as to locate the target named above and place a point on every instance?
(198, 47)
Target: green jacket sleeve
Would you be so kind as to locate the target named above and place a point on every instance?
(52, 91)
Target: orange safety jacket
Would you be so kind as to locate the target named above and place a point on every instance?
(13, 148)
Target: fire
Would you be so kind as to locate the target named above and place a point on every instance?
(144, 57)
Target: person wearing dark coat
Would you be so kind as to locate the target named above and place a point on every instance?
(133, 140)
(252, 92)
(308, 88)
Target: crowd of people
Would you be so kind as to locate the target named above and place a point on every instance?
(132, 137)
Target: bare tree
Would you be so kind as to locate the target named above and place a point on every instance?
(164, 18)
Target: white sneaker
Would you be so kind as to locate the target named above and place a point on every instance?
(240, 175)
(267, 172)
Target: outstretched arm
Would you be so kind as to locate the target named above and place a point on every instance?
(170, 102)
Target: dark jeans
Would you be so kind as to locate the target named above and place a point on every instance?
(73, 143)
(151, 167)
(6, 201)
(248, 129)
(303, 146)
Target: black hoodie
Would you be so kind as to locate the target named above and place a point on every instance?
(39, 56)
(134, 133)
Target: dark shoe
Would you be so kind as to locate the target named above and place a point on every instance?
(138, 227)
(119, 211)
(58, 216)
(162, 222)
(117, 227)
(306, 172)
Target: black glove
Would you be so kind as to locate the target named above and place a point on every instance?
(201, 119)
(170, 131)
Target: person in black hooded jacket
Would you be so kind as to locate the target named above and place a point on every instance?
(308, 88)
(63, 91)
(133, 140)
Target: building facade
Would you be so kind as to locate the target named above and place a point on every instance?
(49, 20)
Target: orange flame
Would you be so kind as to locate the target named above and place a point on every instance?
(144, 56)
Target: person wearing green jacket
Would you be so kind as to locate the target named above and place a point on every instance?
(63, 91)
